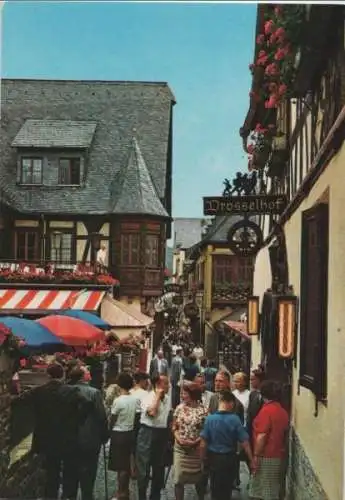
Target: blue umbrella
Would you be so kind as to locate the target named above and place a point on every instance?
(34, 334)
(88, 317)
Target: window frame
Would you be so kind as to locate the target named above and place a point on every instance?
(32, 159)
(315, 382)
(70, 231)
(152, 263)
(26, 231)
(231, 267)
(130, 261)
(60, 169)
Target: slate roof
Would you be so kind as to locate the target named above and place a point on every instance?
(187, 231)
(55, 133)
(118, 108)
(134, 192)
(218, 231)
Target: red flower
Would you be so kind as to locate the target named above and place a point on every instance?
(23, 362)
(268, 27)
(272, 70)
(262, 58)
(280, 33)
(272, 102)
(282, 89)
(260, 39)
(280, 54)
(250, 148)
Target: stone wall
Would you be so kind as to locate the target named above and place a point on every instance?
(302, 482)
(24, 477)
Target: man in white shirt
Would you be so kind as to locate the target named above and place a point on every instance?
(159, 364)
(153, 438)
(198, 352)
(102, 256)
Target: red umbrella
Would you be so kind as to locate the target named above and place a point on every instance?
(72, 331)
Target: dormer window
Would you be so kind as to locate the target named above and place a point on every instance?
(31, 170)
(69, 171)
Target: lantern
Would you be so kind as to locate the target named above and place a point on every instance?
(253, 318)
(287, 326)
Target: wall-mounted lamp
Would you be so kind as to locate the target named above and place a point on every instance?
(253, 317)
(287, 314)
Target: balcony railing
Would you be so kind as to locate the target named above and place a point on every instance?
(231, 292)
(44, 272)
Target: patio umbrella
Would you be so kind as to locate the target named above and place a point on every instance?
(72, 331)
(86, 316)
(34, 334)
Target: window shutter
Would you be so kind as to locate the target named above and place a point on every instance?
(314, 283)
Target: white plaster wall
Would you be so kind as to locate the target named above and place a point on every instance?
(323, 436)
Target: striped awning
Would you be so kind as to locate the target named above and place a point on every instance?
(52, 300)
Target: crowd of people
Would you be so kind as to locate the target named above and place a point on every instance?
(185, 415)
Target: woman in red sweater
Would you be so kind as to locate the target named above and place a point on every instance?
(270, 429)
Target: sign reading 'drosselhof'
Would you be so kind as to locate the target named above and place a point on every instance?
(250, 205)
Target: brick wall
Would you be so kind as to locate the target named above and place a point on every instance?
(24, 478)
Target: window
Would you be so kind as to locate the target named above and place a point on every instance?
(26, 245)
(69, 171)
(314, 282)
(223, 269)
(152, 250)
(62, 247)
(245, 269)
(130, 249)
(31, 171)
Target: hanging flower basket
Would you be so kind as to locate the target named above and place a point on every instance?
(277, 163)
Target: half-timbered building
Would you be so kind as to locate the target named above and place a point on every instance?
(297, 116)
(224, 282)
(84, 166)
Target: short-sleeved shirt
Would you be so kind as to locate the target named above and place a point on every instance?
(124, 408)
(160, 421)
(190, 420)
(222, 432)
(273, 421)
(140, 395)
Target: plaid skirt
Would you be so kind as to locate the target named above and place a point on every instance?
(266, 483)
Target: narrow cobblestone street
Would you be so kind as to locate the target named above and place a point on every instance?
(167, 494)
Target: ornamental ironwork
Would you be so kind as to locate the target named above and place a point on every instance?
(245, 238)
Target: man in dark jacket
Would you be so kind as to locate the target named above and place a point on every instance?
(81, 467)
(59, 411)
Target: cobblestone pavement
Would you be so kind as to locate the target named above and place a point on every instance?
(167, 494)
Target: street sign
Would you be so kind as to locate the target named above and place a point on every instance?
(248, 204)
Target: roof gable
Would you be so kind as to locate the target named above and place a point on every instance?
(134, 190)
(117, 108)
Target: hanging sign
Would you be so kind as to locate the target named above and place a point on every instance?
(249, 205)
(172, 287)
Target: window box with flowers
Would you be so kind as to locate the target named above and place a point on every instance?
(33, 274)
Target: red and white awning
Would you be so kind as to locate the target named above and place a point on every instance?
(50, 299)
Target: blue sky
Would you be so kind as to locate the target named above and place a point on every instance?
(201, 50)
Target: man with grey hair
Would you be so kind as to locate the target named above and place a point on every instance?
(159, 364)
